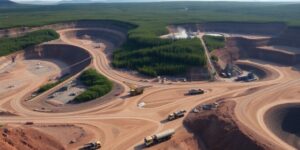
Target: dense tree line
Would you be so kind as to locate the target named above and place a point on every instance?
(10, 45)
(154, 56)
(214, 42)
(98, 85)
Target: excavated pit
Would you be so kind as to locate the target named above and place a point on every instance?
(220, 130)
(115, 38)
(106, 24)
(284, 121)
(258, 71)
(107, 33)
(76, 58)
(253, 40)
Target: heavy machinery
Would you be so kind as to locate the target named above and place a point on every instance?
(210, 106)
(91, 146)
(134, 90)
(157, 138)
(195, 92)
(247, 78)
(176, 115)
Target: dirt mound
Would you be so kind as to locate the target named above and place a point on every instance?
(16, 138)
(218, 129)
(284, 121)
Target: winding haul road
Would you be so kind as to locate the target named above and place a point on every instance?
(123, 125)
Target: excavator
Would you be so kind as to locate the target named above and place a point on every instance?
(135, 90)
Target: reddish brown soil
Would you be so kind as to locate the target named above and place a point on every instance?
(182, 140)
(219, 130)
(25, 138)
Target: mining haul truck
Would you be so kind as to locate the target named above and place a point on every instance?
(91, 146)
(176, 115)
(157, 138)
(195, 92)
(134, 90)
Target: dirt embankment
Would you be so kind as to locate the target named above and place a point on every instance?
(98, 35)
(284, 121)
(24, 138)
(114, 25)
(219, 130)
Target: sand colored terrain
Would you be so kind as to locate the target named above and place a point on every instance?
(119, 123)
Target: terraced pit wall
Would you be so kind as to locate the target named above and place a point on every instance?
(109, 24)
(290, 37)
(247, 48)
(76, 58)
(237, 47)
(284, 121)
(114, 37)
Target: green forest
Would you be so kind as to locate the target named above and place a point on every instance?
(10, 45)
(98, 85)
(144, 51)
(160, 57)
(214, 42)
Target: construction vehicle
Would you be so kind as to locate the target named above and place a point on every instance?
(157, 138)
(29, 123)
(195, 92)
(91, 146)
(247, 78)
(134, 90)
(210, 106)
(176, 115)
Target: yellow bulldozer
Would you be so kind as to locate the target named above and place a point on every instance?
(135, 90)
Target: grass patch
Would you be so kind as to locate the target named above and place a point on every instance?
(214, 42)
(47, 87)
(11, 45)
(98, 85)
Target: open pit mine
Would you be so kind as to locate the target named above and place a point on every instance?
(248, 99)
